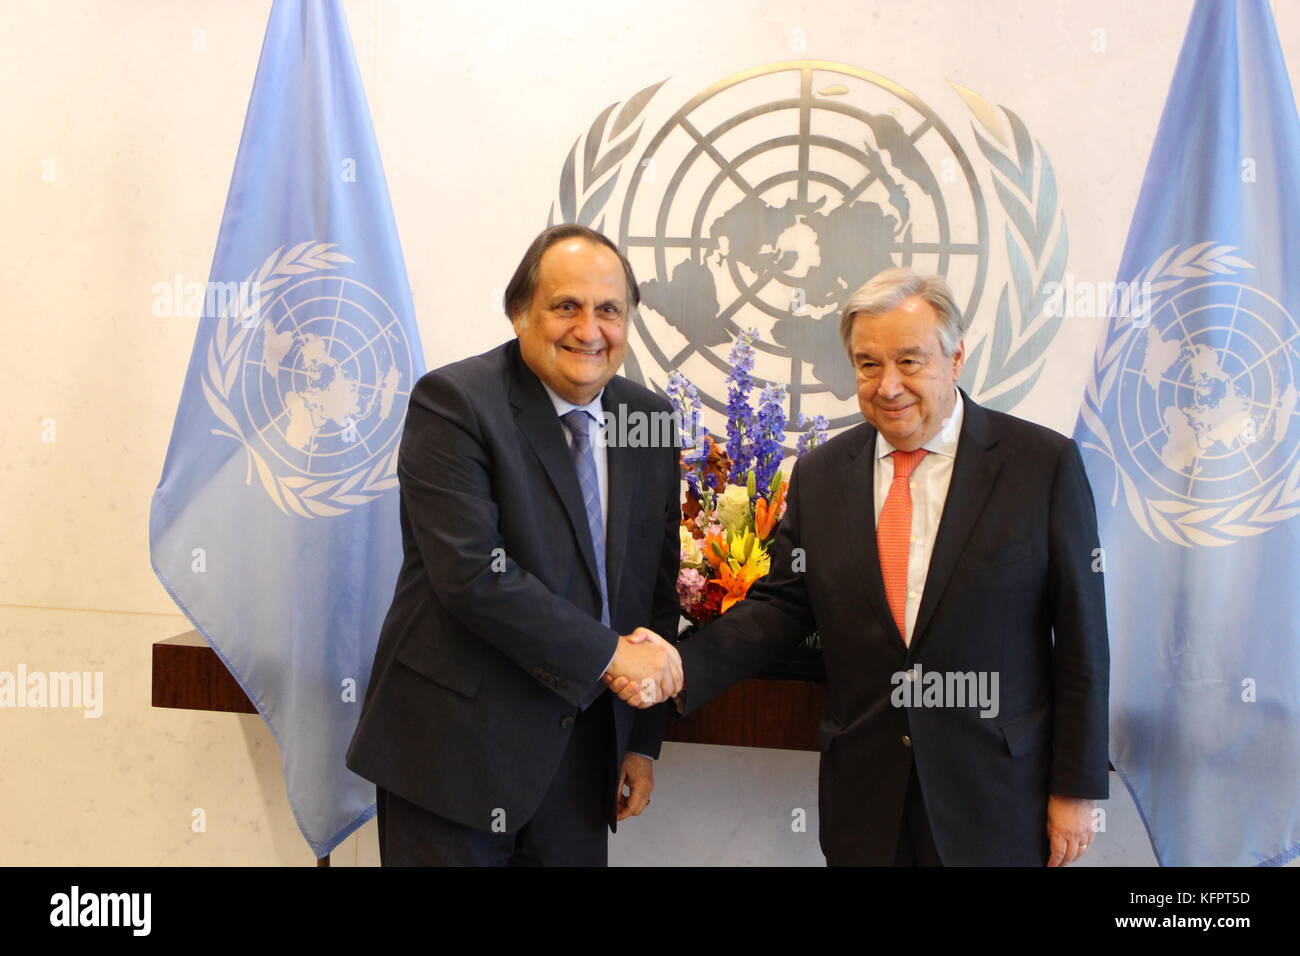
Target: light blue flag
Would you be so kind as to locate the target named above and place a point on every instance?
(275, 523)
(1192, 443)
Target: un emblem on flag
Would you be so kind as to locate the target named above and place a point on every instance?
(1201, 388)
(305, 371)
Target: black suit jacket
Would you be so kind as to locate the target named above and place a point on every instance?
(1010, 590)
(494, 637)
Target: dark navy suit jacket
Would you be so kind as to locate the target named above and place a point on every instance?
(1010, 590)
(494, 639)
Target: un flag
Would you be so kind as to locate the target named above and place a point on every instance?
(1192, 443)
(275, 523)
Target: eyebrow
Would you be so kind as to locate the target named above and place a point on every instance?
(909, 351)
(562, 297)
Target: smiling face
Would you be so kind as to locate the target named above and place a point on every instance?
(906, 385)
(573, 335)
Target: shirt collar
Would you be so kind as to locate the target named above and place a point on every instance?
(943, 443)
(562, 407)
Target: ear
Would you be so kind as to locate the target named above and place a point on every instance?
(958, 360)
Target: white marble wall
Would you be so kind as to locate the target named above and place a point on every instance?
(113, 176)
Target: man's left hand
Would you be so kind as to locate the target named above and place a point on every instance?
(639, 777)
(1069, 828)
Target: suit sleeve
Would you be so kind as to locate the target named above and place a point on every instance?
(445, 472)
(774, 617)
(648, 730)
(1080, 649)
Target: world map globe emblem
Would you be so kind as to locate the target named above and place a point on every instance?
(767, 200)
(1207, 393)
(324, 377)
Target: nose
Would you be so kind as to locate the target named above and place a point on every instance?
(586, 328)
(891, 383)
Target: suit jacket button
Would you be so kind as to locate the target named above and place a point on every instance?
(907, 741)
(566, 722)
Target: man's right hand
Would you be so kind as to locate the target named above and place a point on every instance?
(646, 669)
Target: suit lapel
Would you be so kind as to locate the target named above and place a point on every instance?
(859, 494)
(973, 475)
(543, 432)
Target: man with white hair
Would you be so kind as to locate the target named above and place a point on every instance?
(948, 556)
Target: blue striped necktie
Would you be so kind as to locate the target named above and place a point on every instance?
(576, 422)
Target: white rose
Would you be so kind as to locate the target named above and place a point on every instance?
(691, 553)
(733, 509)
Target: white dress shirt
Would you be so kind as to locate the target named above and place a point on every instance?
(929, 487)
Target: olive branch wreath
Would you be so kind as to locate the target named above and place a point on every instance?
(300, 494)
(1026, 188)
(1176, 520)
(597, 162)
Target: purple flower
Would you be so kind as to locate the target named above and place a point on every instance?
(769, 436)
(740, 417)
(685, 400)
(814, 436)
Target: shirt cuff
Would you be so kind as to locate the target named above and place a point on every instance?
(609, 664)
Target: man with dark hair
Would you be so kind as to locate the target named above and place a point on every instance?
(531, 546)
(519, 292)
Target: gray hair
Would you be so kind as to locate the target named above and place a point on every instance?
(886, 291)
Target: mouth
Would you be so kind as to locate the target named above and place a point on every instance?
(585, 353)
(893, 410)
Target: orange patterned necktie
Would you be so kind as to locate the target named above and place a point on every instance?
(894, 535)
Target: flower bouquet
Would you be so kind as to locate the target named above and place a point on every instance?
(735, 494)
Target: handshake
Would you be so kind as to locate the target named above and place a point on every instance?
(645, 670)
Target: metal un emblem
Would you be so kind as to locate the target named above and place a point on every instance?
(1203, 385)
(770, 197)
(306, 373)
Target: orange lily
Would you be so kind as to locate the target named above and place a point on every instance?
(737, 583)
(765, 514)
(715, 548)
